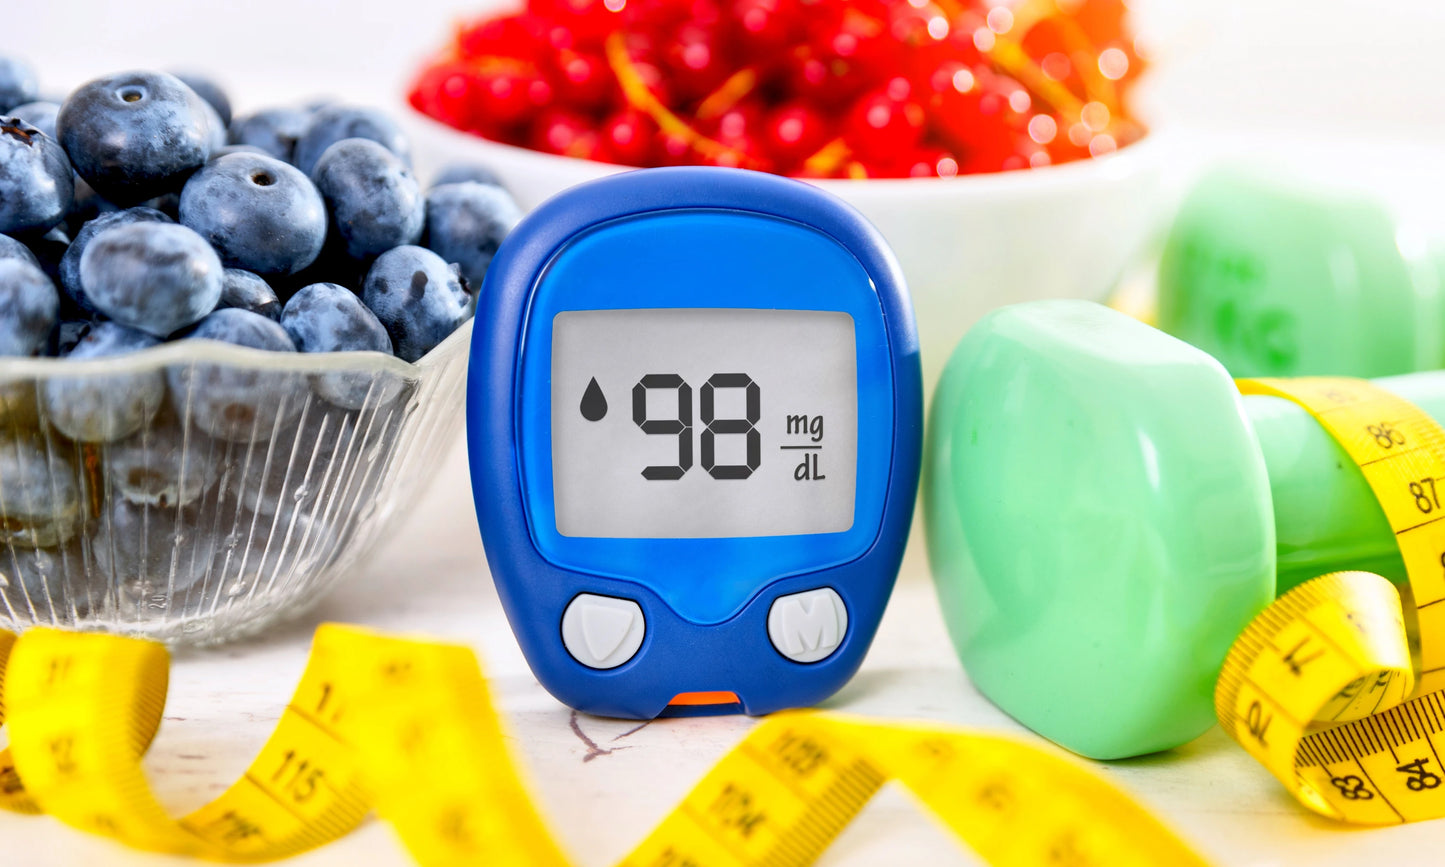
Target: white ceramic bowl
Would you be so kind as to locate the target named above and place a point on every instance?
(966, 244)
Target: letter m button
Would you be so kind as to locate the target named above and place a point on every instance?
(808, 626)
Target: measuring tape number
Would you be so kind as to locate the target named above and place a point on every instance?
(1336, 649)
(407, 728)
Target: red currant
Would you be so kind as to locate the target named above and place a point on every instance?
(843, 55)
(520, 36)
(560, 131)
(763, 27)
(447, 92)
(696, 61)
(795, 132)
(929, 162)
(672, 149)
(509, 95)
(583, 81)
(587, 21)
(915, 87)
(883, 124)
(628, 137)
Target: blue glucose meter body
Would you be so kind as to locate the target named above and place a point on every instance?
(694, 417)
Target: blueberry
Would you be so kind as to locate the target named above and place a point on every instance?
(135, 135)
(36, 184)
(70, 281)
(258, 212)
(67, 335)
(164, 465)
(50, 249)
(418, 297)
(246, 291)
(13, 249)
(467, 222)
(375, 202)
(46, 585)
(18, 84)
(86, 206)
(29, 307)
(231, 401)
(457, 173)
(95, 407)
(332, 266)
(157, 277)
(305, 463)
(216, 130)
(168, 204)
(149, 554)
(325, 317)
(40, 115)
(211, 92)
(39, 499)
(332, 123)
(273, 130)
(237, 149)
(262, 552)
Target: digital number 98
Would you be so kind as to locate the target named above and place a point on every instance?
(681, 426)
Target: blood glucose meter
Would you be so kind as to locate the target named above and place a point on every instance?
(694, 417)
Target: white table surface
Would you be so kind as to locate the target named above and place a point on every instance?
(603, 788)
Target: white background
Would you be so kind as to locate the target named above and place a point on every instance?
(1318, 70)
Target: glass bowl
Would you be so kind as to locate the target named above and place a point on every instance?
(199, 491)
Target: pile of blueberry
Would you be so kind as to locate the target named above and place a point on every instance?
(138, 211)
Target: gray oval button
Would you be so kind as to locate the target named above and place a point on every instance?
(602, 631)
(808, 626)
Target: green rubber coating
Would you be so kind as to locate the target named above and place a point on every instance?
(1099, 524)
(1275, 278)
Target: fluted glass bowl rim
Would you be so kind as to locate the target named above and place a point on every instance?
(200, 351)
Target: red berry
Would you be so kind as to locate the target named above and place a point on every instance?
(509, 95)
(447, 92)
(672, 149)
(696, 62)
(765, 26)
(744, 120)
(661, 15)
(583, 81)
(882, 125)
(560, 131)
(586, 21)
(929, 162)
(628, 137)
(520, 36)
(740, 152)
(795, 132)
(844, 55)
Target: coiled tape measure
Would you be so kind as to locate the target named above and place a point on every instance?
(407, 728)
(1337, 648)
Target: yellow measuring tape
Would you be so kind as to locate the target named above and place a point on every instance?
(407, 728)
(1336, 649)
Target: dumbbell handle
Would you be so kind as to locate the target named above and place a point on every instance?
(1326, 518)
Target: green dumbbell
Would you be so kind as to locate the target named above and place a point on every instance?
(1275, 277)
(1105, 514)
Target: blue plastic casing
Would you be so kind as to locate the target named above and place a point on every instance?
(688, 238)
